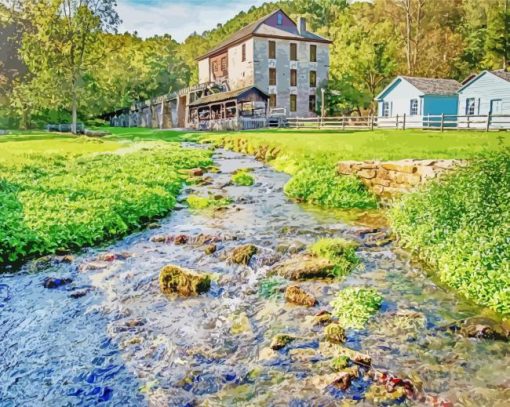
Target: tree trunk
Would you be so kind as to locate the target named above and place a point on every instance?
(74, 109)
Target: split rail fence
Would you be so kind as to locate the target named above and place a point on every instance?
(430, 122)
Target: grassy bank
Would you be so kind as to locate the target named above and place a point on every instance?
(60, 193)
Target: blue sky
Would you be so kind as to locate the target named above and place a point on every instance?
(178, 18)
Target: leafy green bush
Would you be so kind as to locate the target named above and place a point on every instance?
(56, 202)
(320, 185)
(461, 226)
(340, 251)
(242, 178)
(354, 306)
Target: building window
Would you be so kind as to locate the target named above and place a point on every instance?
(272, 49)
(279, 19)
(293, 103)
(313, 53)
(272, 77)
(224, 64)
(243, 53)
(386, 109)
(215, 66)
(496, 106)
(312, 103)
(272, 101)
(313, 79)
(293, 52)
(470, 106)
(413, 111)
(293, 77)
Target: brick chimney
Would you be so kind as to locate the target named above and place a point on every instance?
(301, 25)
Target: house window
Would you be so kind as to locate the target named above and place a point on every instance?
(293, 103)
(496, 106)
(313, 53)
(272, 50)
(386, 109)
(224, 64)
(470, 106)
(279, 19)
(312, 103)
(293, 52)
(272, 76)
(414, 107)
(243, 53)
(313, 79)
(215, 66)
(272, 101)
(293, 77)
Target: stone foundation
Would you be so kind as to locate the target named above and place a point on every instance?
(389, 178)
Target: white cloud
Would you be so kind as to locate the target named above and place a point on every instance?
(180, 18)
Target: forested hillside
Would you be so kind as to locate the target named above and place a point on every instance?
(372, 42)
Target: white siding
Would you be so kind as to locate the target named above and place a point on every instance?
(204, 72)
(400, 99)
(240, 74)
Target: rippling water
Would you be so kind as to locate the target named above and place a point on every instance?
(121, 342)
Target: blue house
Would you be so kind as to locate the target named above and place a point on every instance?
(417, 98)
(487, 93)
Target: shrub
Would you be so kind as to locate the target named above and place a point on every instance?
(320, 185)
(200, 202)
(242, 178)
(340, 251)
(460, 225)
(56, 202)
(354, 306)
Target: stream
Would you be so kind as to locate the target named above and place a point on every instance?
(111, 337)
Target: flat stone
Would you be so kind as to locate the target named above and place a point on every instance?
(399, 167)
(302, 267)
(366, 174)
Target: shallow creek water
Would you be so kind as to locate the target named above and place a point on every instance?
(124, 343)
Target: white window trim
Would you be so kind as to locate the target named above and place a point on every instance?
(417, 107)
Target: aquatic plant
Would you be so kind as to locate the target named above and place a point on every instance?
(270, 288)
(460, 225)
(354, 306)
(341, 252)
(243, 178)
(53, 201)
(200, 202)
(340, 362)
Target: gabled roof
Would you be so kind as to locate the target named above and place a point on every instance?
(428, 86)
(259, 28)
(222, 96)
(501, 73)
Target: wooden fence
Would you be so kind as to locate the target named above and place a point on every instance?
(430, 122)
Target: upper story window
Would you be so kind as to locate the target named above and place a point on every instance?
(413, 110)
(470, 106)
(279, 19)
(293, 51)
(313, 79)
(313, 53)
(386, 109)
(272, 50)
(272, 76)
(224, 63)
(243, 53)
(293, 77)
(215, 66)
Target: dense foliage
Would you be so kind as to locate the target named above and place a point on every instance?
(354, 306)
(243, 178)
(53, 201)
(372, 42)
(461, 226)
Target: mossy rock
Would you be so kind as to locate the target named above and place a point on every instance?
(178, 280)
(280, 341)
(340, 362)
(380, 395)
(334, 333)
(296, 295)
(242, 254)
(304, 267)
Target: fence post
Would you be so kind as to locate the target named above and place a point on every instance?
(488, 121)
(442, 122)
(468, 124)
(372, 122)
(397, 122)
(404, 122)
(343, 123)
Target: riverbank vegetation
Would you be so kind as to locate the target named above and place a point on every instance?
(61, 193)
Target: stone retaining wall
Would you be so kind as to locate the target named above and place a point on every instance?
(388, 178)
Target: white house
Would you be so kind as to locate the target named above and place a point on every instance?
(417, 98)
(487, 93)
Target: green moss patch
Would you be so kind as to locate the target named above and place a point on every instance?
(243, 178)
(178, 280)
(341, 252)
(200, 202)
(354, 306)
